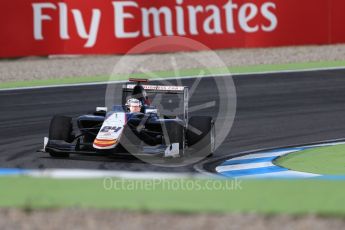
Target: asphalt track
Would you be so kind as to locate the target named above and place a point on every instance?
(272, 110)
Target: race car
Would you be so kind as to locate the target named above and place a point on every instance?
(135, 127)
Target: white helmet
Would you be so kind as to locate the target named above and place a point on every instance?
(133, 102)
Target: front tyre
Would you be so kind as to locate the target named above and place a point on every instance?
(60, 129)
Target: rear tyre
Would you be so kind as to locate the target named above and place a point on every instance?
(201, 135)
(60, 129)
(175, 131)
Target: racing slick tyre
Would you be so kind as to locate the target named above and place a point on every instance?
(175, 131)
(60, 129)
(201, 135)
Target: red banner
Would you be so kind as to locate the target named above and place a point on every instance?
(43, 27)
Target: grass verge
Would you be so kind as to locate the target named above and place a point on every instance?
(188, 195)
(328, 160)
(182, 73)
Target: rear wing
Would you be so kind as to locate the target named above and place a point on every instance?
(158, 88)
(127, 89)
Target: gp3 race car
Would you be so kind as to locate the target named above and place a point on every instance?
(135, 127)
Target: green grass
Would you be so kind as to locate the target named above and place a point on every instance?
(182, 73)
(262, 196)
(324, 160)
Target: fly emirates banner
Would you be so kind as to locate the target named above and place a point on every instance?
(44, 27)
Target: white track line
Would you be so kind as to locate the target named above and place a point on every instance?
(292, 71)
(324, 145)
(172, 78)
(93, 174)
(261, 155)
(283, 174)
(228, 168)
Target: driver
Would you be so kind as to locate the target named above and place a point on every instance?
(134, 105)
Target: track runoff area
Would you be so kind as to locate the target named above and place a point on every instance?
(319, 161)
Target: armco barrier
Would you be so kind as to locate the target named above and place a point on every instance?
(42, 27)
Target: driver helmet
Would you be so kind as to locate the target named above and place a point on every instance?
(133, 105)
